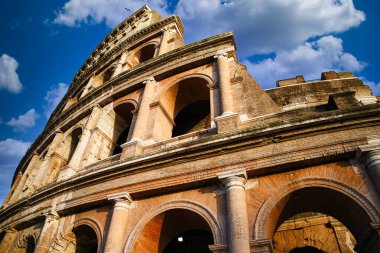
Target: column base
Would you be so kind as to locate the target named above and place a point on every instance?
(131, 149)
(263, 245)
(227, 122)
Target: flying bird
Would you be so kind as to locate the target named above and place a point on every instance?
(127, 9)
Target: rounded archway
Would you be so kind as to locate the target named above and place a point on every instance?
(175, 230)
(86, 240)
(123, 125)
(187, 103)
(30, 245)
(146, 53)
(343, 204)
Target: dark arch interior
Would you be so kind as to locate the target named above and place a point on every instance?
(75, 137)
(147, 53)
(31, 245)
(86, 240)
(2, 235)
(175, 231)
(307, 249)
(123, 121)
(191, 108)
(326, 201)
(108, 74)
(194, 240)
(194, 117)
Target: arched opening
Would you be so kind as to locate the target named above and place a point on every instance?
(194, 117)
(73, 142)
(123, 122)
(313, 232)
(86, 240)
(30, 245)
(146, 53)
(306, 204)
(175, 230)
(188, 105)
(108, 74)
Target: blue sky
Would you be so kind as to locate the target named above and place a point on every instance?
(43, 43)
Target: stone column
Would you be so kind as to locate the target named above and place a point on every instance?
(164, 41)
(119, 66)
(144, 109)
(237, 217)
(214, 102)
(6, 243)
(85, 138)
(370, 156)
(14, 189)
(122, 203)
(19, 185)
(47, 159)
(47, 233)
(225, 84)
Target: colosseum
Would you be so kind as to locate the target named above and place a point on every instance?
(162, 147)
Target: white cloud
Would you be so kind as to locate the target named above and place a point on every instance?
(10, 149)
(265, 26)
(373, 85)
(11, 152)
(309, 59)
(53, 97)
(112, 12)
(25, 121)
(9, 79)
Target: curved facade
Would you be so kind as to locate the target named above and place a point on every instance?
(164, 147)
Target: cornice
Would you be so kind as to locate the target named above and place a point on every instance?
(226, 143)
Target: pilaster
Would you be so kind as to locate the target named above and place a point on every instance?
(122, 204)
(237, 215)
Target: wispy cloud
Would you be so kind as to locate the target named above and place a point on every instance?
(25, 121)
(309, 59)
(53, 97)
(9, 79)
(77, 12)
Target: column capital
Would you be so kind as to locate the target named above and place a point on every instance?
(149, 79)
(233, 179)
(370, 153)
(51, 215)
(122, 199)
(221, 54)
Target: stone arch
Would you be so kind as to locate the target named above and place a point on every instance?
(94, 225)
(145, 51)
(198, 209)
(123, 123)
(273, 212)
(86, 238)
(70, 142)
(187, 105)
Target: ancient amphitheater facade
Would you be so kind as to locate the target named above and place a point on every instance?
(164, 147)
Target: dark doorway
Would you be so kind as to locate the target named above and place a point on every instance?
(147, 53)
(190, 241)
